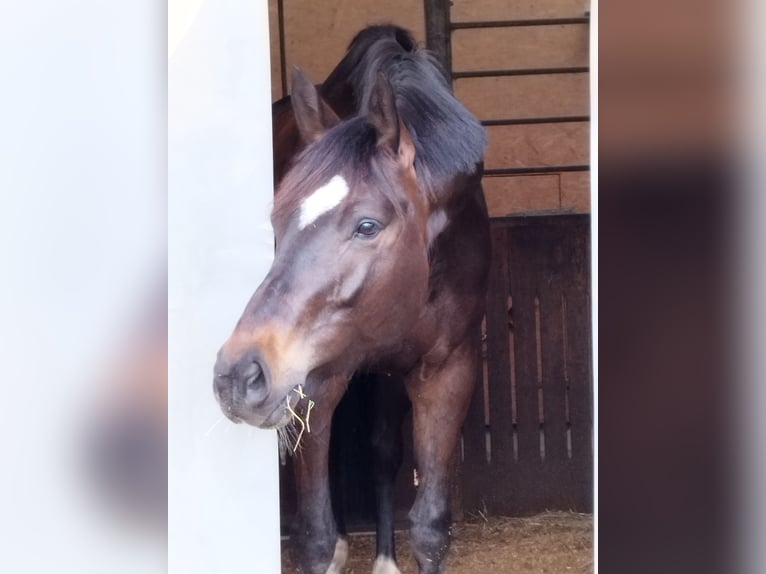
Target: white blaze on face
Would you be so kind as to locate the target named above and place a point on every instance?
(322, 200)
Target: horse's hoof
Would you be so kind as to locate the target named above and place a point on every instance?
(339, 558)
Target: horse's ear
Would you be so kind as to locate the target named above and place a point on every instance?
(312, 114)
(406, 148)
(383, 115)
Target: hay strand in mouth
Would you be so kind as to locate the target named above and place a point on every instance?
(305, 426)
(308, 415)
(297, 417)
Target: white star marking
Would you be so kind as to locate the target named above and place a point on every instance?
(322, 200)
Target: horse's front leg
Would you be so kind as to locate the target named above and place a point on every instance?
(440, 400)
(318, 547)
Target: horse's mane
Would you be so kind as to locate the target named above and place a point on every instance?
(448, 139)
(339, 89)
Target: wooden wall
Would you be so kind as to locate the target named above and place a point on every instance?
(470, 10)
(527, 439)
(531, 97)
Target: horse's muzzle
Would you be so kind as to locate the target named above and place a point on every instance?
(243, 389)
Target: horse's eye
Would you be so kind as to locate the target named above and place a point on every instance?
(367, 229)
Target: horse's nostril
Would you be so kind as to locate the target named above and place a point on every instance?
(252, 374)
(256, 387)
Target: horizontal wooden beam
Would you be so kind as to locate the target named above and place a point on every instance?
(520, 23)
(534, 121)
(501, 172)
(521, 72)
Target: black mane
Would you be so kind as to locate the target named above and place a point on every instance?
(338, 88)
(448, 138)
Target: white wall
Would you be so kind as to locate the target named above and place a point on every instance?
(223, 478)
(82, 237)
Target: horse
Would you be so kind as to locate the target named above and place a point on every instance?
(380, 270)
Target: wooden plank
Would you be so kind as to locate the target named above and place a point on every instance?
(538, 145)
(578, 311)
(575, 192)
(274, 54)
(579, 371)
(521, 193)
(521, 266)
(438, 33)
(498, 358)
(520, 23)
(457, 505)
(477, 469)
(472, 11)
(520, 47)
(525, 96)
(554, 275)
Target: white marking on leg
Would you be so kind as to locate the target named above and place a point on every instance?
(385, 565)
(339, 558)
(322, 200)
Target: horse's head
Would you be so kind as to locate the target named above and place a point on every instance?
(351, 270)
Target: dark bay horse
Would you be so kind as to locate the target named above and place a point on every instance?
(380, 269)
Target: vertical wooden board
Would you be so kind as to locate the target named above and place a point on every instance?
(274, 55)
(523, 47)
(521, 269)
(582, 444)
(438, 31)
(318, 33)
(579, 366)
(525, 96)
(456, 487)
(476, 468)
(553, 255)
(538, 145)
(473, 11)
(498, 359)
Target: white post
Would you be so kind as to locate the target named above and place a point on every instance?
(223, 478)
(594, 247)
